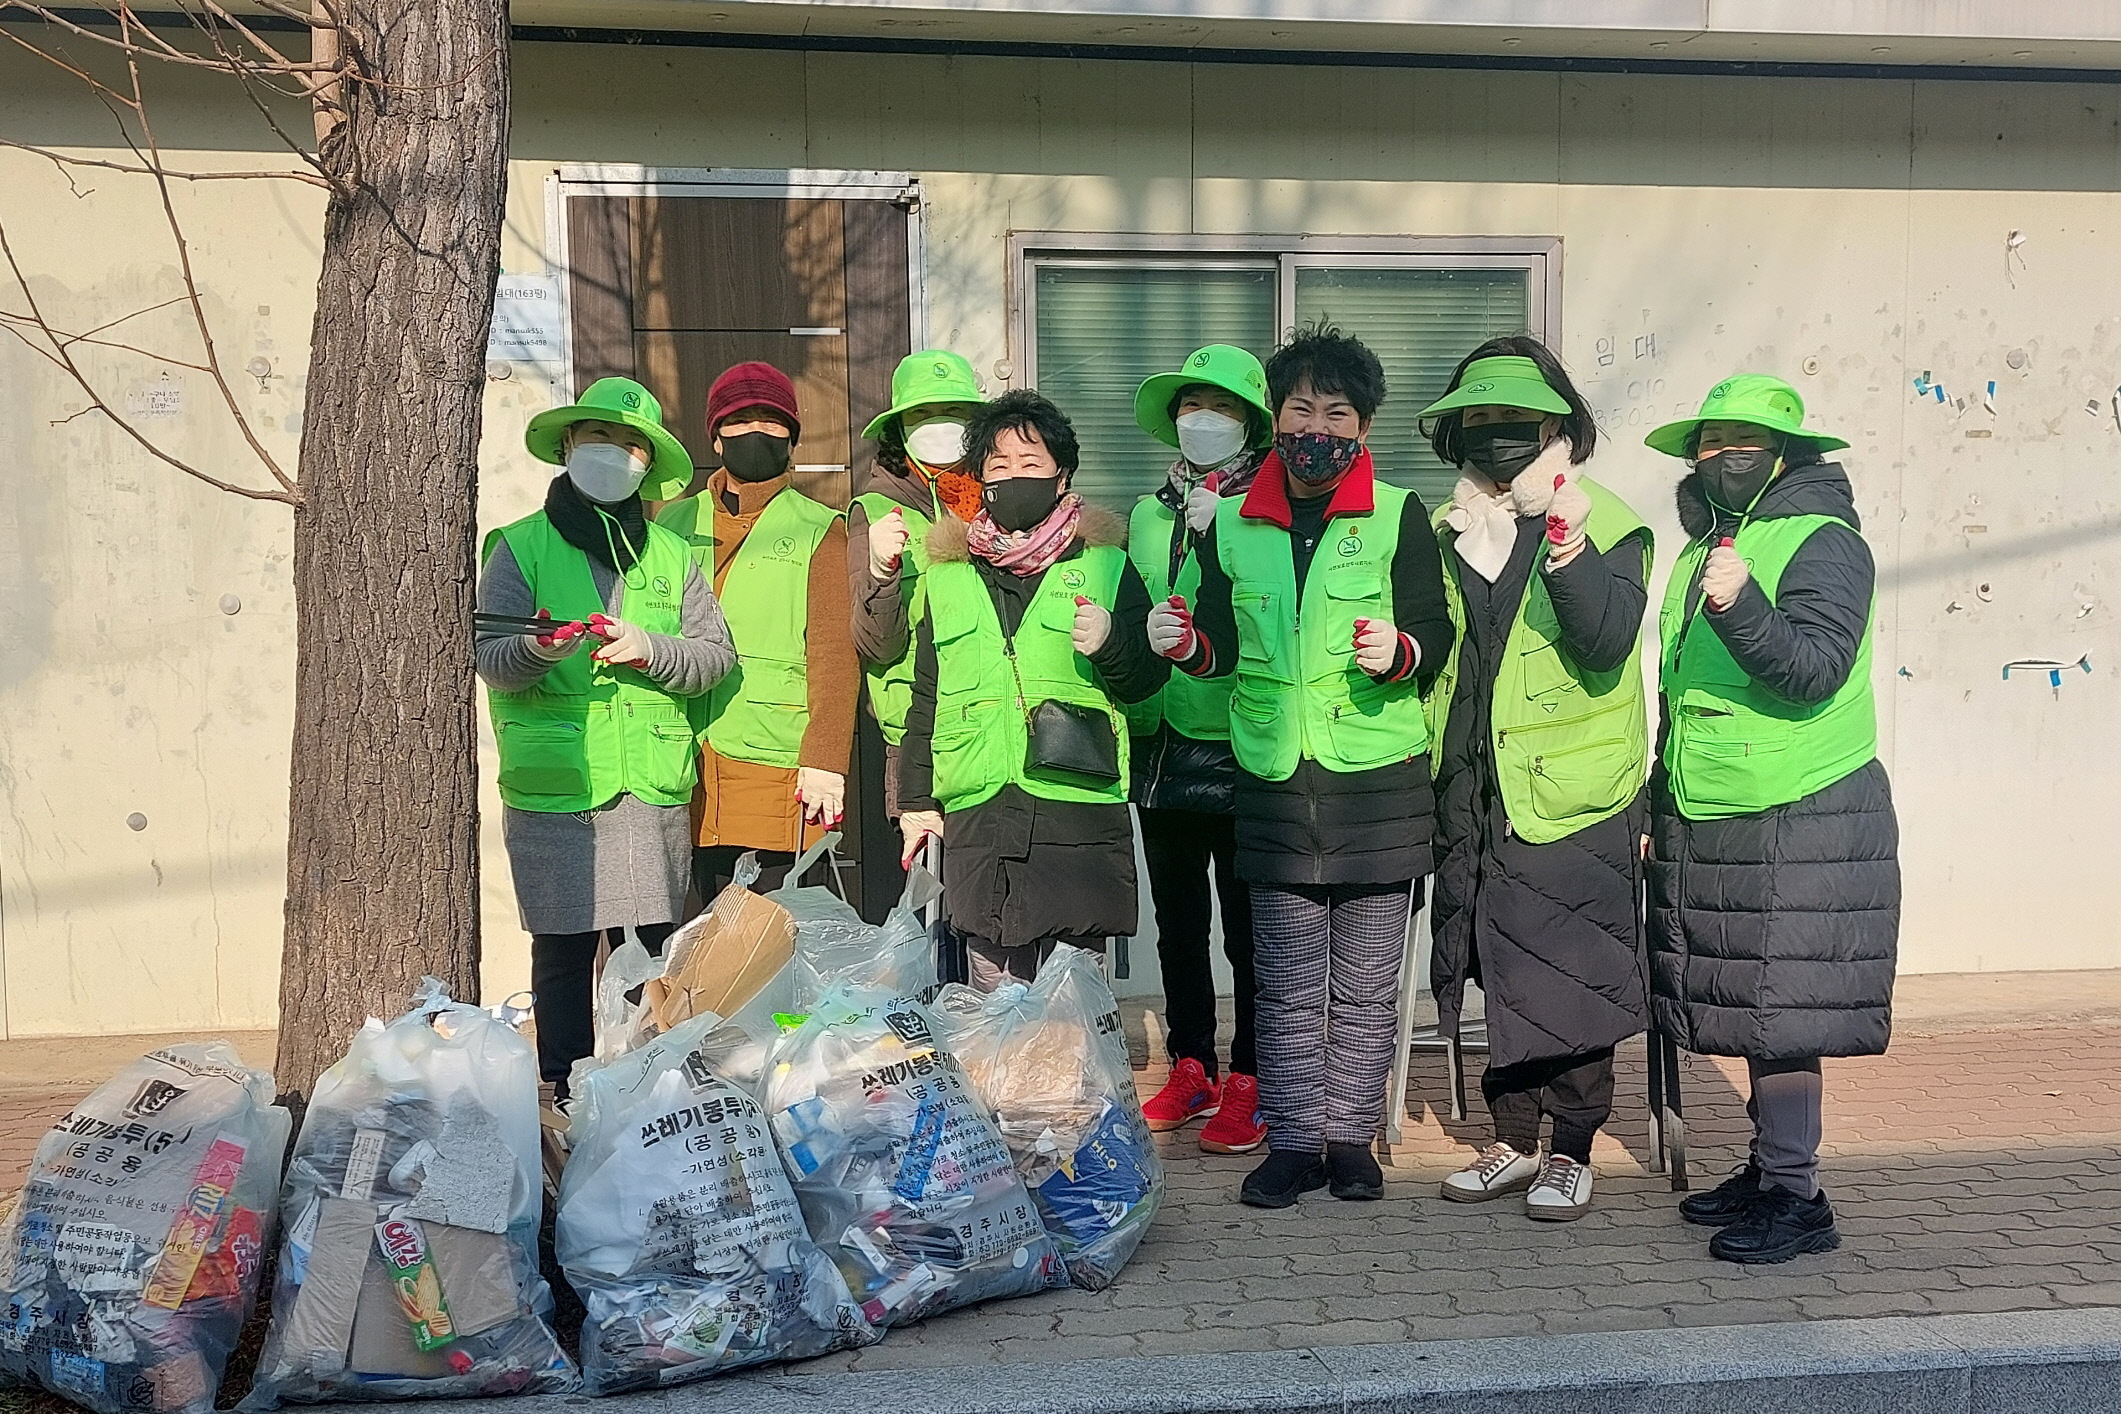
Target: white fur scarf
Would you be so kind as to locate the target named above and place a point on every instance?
(1486, 521)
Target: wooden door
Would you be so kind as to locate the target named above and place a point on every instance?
(672, 290)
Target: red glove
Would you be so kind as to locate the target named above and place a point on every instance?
(560, 643)
(1171, 632)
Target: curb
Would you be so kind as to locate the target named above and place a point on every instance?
(2068, 1360)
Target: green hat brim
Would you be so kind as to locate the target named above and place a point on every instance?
(669, 464)
(884, 419)
(1672, 438)
(932, 390)
(1152, 403)
(1501, 392)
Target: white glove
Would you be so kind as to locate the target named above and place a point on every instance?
(822, 794)
(1171, 630)
(625, 644)
(1724, 577)
(915, 826)
(887, 543)
(1200, 508)
(1376, 645)
(563, 641)
(1567, 515)
(1093, 625)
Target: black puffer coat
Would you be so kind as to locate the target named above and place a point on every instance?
(1774, 936)
(1550, 932)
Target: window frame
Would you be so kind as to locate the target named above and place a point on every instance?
(1538, 256)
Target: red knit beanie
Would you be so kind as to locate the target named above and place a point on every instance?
(752, 385)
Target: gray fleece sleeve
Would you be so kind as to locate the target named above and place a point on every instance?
(690, 664)
(505, 662)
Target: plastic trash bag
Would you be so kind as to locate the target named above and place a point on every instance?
(833, 944)
(727, 957)
(410, 1265)
(678, 1227)
(130, 1261)
(1050, 1061)
(902, 1177)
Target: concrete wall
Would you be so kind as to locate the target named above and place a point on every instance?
(1852, 229)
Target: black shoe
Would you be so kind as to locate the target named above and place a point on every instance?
(1353, 1172)
(1726, 1202)
(1777, 1226)
(1285, 1177)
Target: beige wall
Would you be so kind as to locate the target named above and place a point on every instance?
(1745, 223)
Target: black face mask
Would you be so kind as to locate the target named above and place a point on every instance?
(1734, 479)
(1020, 502)
(755, 456)
(1316, 458)
(1499, 450)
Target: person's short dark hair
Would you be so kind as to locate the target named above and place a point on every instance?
(1021, 410)
(1447, 433)
(1331, 362)
(1258, 431)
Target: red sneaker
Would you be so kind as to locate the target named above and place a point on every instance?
(1237, 1127)
(1186, 1096)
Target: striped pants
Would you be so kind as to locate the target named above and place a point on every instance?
(1327, 958)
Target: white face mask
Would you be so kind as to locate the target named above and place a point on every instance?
(940, 443)
(1208, 438)
(604, 471)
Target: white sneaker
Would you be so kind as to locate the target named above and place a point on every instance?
(1561, 1193)
(1500, 1169)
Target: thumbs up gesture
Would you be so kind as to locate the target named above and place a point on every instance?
(1093, 625)
(1171, 629)
(1725, 576)
(1567, 516)
(887, 543)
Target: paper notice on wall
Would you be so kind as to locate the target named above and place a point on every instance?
(529, 321)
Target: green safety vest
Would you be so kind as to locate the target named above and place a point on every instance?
(588, 732)
(891, 685)
(1195, 707)
(1731, 746)
(1571, 747)
(986, 685)
(1299, 695)
(759, 711)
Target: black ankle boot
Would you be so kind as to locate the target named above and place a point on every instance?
(1726, 1202)
(1284, 1177)
(1777, 1226)
(1352, 1172)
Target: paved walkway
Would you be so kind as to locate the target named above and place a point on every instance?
(1973, 1169)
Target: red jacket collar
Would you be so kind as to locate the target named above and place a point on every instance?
(1356, 495)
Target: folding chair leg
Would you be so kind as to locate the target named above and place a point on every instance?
(1121, 967)
(1653, 1052)
(1455, 1060)
(1396, 1089)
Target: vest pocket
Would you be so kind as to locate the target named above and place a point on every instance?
(1375, 726)
(1545, 671)
(1724, 760)
(775, 698)
(1351, 594)
(1259, 612)
(959, 748)
(1584, 778)
(542, 756)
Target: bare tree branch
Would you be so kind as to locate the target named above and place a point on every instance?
(63, 161)
(57, 354)
(152, 45)
(61, 339)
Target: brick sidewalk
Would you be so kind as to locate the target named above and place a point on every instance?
(1972, 1171)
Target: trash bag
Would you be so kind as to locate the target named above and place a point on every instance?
(679, 1230)
(130, 1261)
(410, 1265)
(1049, 1060)
(902, 1177)
(833, 944)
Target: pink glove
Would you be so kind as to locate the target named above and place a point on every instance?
(561, 642)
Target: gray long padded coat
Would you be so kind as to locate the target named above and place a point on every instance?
(1774, 936)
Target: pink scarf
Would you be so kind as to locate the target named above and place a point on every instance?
(1027, 552)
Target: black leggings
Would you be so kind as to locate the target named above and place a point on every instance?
(1576, 1090)
(563, 977)
(1185, 850)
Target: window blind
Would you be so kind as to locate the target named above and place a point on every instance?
(1102, 329)
(1419, 323)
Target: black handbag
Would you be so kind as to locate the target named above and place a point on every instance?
(1073, 743)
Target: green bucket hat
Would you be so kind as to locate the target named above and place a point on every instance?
(1747, 397)
(626, 402)
(930, 376)
(1223, 366)
(1506, 380)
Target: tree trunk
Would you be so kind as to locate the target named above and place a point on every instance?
(382, 856)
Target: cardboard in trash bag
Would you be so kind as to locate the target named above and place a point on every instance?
(679, 1230)
(410, 1265)
(131, 1259)
(721, 959)
(1050, 1061)
(902, 1177)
